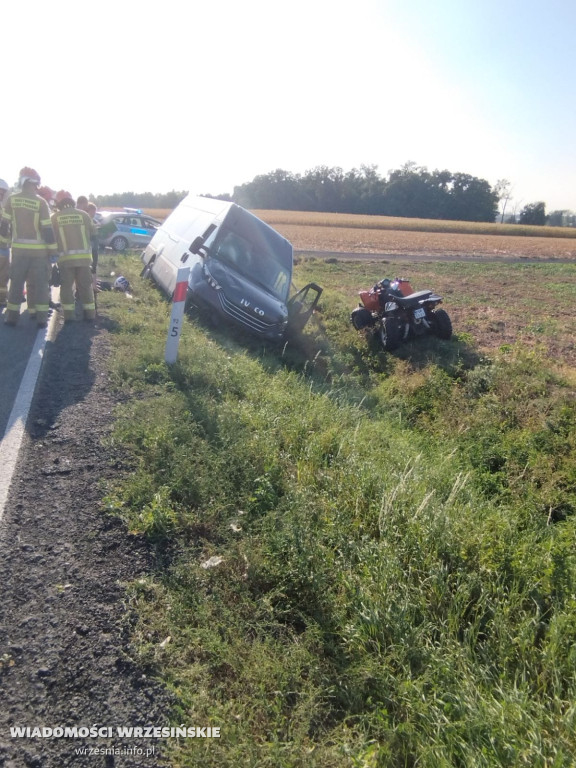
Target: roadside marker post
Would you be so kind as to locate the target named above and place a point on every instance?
(177, 316)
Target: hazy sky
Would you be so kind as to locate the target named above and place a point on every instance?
(203, 96)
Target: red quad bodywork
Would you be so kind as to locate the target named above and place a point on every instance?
(371, 299)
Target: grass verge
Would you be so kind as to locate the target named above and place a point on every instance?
(366, 561)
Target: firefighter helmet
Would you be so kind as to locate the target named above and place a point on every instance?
(46, 193)
(3, 185)
(63, 196)
(121, 284)
(28, 174)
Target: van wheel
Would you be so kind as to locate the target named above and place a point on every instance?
(146, 273)
(190, 308)
(119, 243)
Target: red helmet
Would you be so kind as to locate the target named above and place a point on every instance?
(63, 195)
(46, 193)
(29, 174)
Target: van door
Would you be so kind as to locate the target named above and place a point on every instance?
(302, 305)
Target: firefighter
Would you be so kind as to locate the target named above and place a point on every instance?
(82, 203)
(91, 211)
(74, 230)
(26, 219)
(4, 252)
(48, 195)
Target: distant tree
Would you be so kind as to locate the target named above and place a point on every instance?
(140, 199)
(415, 192)
(503, 189)
(325, 186)
(364, 190)
(410, 191)
(533, 213)
(223, 196)
(279, 189)
(472, 199)
(563, 218)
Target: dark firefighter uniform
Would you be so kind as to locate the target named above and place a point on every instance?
(4, 251)
(26, 221)
(74, 229)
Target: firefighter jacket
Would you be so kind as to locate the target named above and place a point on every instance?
(73, 229)
(25, 221)
(4, 240)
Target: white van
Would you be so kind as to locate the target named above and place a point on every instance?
(240, 267)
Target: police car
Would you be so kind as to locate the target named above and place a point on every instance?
(125, 229)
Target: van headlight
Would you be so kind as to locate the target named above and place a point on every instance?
(210, 280)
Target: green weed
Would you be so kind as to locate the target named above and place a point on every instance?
(372, 557)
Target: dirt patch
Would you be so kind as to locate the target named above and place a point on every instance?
(65, 657)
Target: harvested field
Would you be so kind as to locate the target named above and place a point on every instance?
(355, 241)
(422, 244)
(355, 236)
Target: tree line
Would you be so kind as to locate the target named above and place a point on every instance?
(410, 191)
(139, 199)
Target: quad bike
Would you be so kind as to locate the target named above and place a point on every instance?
(396, 313)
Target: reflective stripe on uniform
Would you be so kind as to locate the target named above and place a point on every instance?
(83, 258)
(30, 246)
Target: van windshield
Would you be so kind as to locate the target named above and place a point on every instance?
(257, 253)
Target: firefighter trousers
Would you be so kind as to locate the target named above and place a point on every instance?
(4, 274)
(81, 276)
(32, 268)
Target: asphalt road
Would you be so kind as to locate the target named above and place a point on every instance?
(16, 345)
(22, 350)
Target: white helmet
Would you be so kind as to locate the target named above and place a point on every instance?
(121, 284)
(28, 174)
(3, 185)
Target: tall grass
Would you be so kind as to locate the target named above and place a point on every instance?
(363, 563)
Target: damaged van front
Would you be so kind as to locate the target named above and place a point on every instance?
(240, 268)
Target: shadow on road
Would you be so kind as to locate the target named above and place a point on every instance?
(66, 376)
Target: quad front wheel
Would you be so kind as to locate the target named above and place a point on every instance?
(442, 326)
(391, 333)
(361, 318)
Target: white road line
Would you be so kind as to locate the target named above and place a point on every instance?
(12, 440)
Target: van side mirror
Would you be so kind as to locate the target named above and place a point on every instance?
(196, 244)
